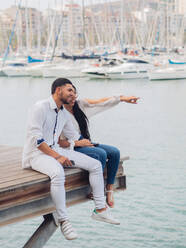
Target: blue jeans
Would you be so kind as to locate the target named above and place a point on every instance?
(104, 153)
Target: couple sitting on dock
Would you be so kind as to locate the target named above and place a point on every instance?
(58, 136)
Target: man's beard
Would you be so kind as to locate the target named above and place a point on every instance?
(64, 101)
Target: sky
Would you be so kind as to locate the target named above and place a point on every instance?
(31, 3)
(41, 4)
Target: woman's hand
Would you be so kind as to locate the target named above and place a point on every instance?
(83, 142)
(63, 143)
(129, 99)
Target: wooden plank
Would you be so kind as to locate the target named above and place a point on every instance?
(10, 167)
(14, 174)
(10, 155)
(17, 198)
(9, 162)
(19, 177)
(25, 181)
(9, 150)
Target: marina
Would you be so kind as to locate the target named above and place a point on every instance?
(110, 40)
(106, 48)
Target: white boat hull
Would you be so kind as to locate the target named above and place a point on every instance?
(128, 75)
(122, 71)
(95, 75)
(2, 74)
(168, 74)
(95, 72)
(129, 71)
(15, 72)
(61, 72)
(34, 72)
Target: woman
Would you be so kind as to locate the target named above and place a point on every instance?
(80, 111)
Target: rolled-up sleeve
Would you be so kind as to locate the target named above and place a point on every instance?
(91, 109)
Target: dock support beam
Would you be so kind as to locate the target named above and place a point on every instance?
(43, 233)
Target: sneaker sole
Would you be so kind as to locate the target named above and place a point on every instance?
(71, 238)
(94, 217)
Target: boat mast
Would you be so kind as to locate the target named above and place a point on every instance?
(57, 33)
(11, 35)
(39, 30)
(27, 31)
(83, 20)
(122, 22)
(51, 31)
(167, 26)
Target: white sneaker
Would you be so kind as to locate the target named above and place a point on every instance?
(68, 231)
(104, 216)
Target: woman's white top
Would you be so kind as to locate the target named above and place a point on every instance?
(92, 109)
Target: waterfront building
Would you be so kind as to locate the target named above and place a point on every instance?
(116, 24)
(27, 27)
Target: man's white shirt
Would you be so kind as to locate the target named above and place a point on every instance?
(45, 124)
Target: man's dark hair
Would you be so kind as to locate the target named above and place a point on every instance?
(58, 83)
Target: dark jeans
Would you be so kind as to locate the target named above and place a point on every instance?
(102, 153)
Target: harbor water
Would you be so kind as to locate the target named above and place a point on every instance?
(152, 210)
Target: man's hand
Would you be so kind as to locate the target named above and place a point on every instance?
(64, 161)
(83, 142)
(129, 99)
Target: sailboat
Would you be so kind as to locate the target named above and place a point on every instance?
(16, 68)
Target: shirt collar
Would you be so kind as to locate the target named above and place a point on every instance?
(53, 104)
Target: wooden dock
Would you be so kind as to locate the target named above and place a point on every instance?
(25, 193)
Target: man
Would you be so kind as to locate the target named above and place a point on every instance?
(42, 153)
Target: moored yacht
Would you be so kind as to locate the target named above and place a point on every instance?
(37, 70)
(2, 74)
(127, 69)
(68, 69)
(131, 69)
(100, 69)
(168, 73)
(15, 70)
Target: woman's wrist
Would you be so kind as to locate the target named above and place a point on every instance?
(76, 143)
(117, 98)
(122, 98)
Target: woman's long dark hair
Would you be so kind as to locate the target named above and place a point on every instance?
(82, 121)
